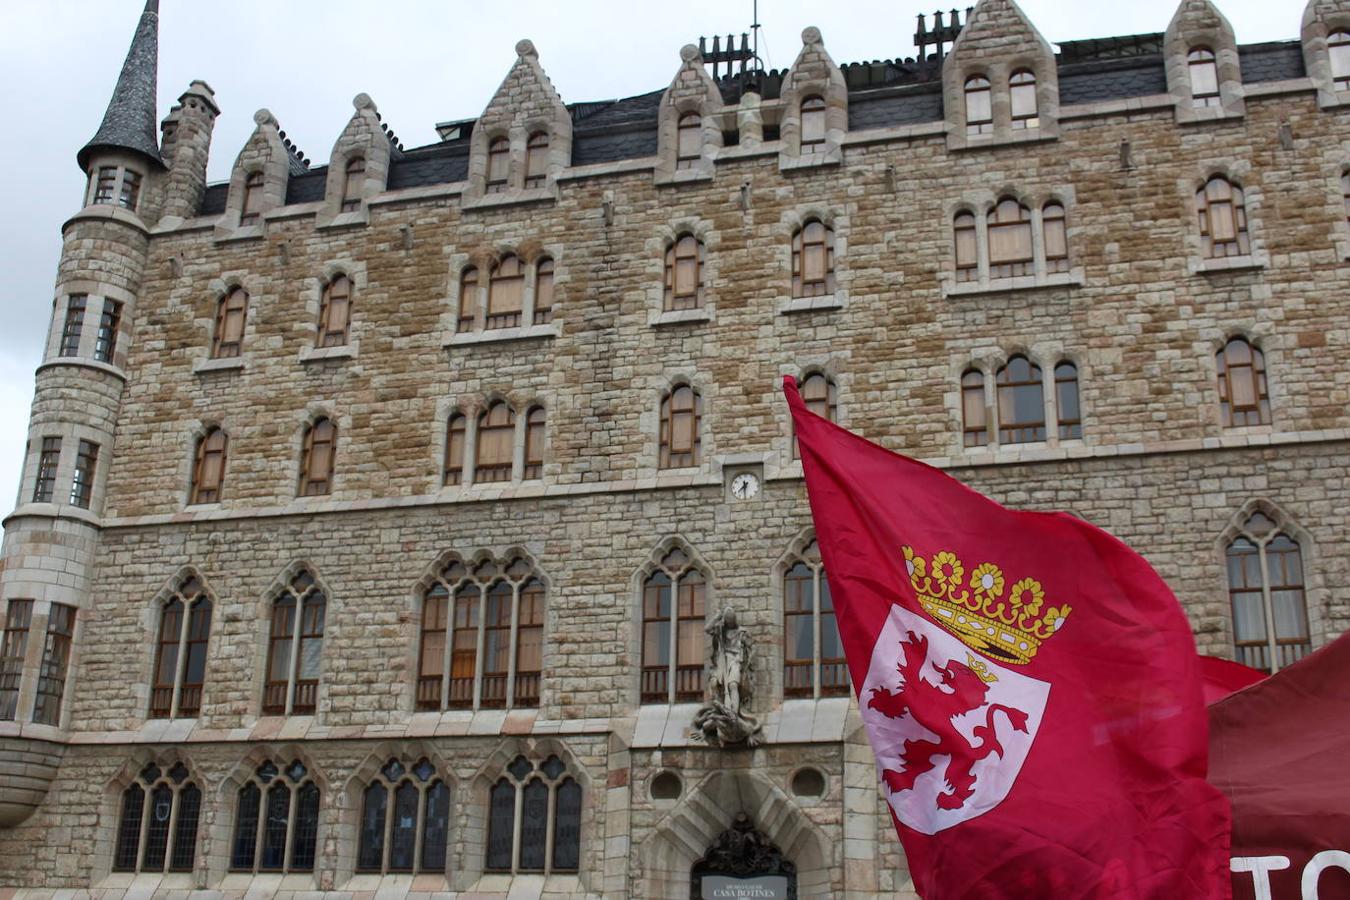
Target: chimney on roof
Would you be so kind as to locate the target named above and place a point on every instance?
(129, 123)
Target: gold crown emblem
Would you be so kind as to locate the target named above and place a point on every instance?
(1008, 626)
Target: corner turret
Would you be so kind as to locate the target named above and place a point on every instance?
(129, 123)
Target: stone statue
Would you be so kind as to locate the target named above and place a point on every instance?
(723, 720)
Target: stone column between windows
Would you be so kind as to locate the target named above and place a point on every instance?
(527, 289)
(518, 445)
(982, 245)
(26, 706)
(1049, 391)
(510, 698)
(180, 668)
(1038, 264)
(470, 462)
(1268, 602)
(815, 629)
(479, 640)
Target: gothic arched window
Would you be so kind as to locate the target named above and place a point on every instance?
(979, 106)
(1266, 587)
(316, 458)
(352, 183)
(689, 140)
(276, 821)
(1056, 237)
(543, 291)
(335, 312)
(1244, 398)
(1022, 91)
(1010, 245)
(506, 293)
(967, 246)
(455, 431)
(1021, 402)
(813, 657)
(536, 160)
(681, 421)
(496, 443)
(405, 816)
(208, 466)
(813, 260)
(1204, 73)
(180, 653)
(231, 311)
(157, 827)
(1223, 218)
(684, 274)
(674, 604)
(295, 648)
(974, 411)
(534, 443)
(530, 809)
(468, 299)
(1069, 412)
(498, 165)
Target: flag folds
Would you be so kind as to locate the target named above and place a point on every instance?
(1029, 685)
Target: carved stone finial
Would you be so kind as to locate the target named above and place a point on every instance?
(363, 101)
(525, 48)
(264, 117)
(689, 52)
(811, 35)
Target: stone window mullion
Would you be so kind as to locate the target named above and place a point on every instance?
(293, 670)
(419, 824)
(672, 671)
(511, 650)
(478, 647)
(518, 824)
(451, 602)
(470, 465)
(1272, 642)
(1038, 264)
(390, 792)
(982, 245)
(288, 847)
(1049, 394)
(991, 408)
(548, 827)
(815, 632)
(147, 812)
(262, 822)
(527, 290)
(171, 839)
(518, 437)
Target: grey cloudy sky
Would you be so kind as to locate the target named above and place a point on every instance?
(423, 61)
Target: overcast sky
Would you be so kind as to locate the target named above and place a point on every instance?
(423, 61)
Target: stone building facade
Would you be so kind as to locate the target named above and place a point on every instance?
(372, 510)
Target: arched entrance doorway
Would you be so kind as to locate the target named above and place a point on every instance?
(743, 864)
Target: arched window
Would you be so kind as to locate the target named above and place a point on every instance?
(1266, 586)
(1338, 48)
(1243, 395)
(530, 809)
(180, 657)
(468, 299)
(821, 397)
(974, 412)
(316, 458)
(496, 443)
(689, 141)
(405, 818)
(813, 657)
(295, 648)
(684, 273)
(967, 247)
(499, 165)
(335, 312)
(1022, 91)
(276, 821)
(674, 601)
(208, 466)
(510, 632)
(813, 125)
(1021, 402)
(1066, 401)
(534, 444)
(506, 293)
(681, 415)
(1223, 218)
(536, 160)
(353, 182)
(1010, 248)
(455, 430)
(1056, 237)
(231, 311)
(250, 211)
(157, 828)
(813, 260)
(1204, 77)
(979, 106)
(543, 291)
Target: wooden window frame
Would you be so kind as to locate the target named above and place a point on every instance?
(823, 403)
(1066, 379)
(671, 458)
(674, 681)
(82, 481)
(298, 782)
(543, 291)
(966, 238)
(321, 434)
(231, 307)
(335, 312)
(468, 300)
(353, 187)
(974, 433)
(55, 665)
(49, 459)
(212, 448)
(1273, 652)
(827, 676)
(105, 185)
(184, 622)
(814, 130)
(250, 209)
(496, 470)
(109, 325)
(456, 444)
(1222, 201)
(979, 89)
(299, 696)
(498, 154)
(1055, 236)
(684, 248)
(688, 140)
(536, 423)
(130, 194)
(72, 327)
(1197, 60)
(13, 653)
(821, 243)
(1259, 411)
(1338, 59)
(1018, 431)
(507, 273)
(536, 160)
(392, 782)
(997, 225)
(1020, 85)
(554, 782)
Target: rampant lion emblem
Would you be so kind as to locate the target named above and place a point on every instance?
(936, 706)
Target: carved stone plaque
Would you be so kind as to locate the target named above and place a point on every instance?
(742, 864)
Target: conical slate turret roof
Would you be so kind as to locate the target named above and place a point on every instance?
(129, 123)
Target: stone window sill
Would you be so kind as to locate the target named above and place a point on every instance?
(320, 354)
(225, 233)
(354, 217)
(811, 304)
(680, 317)
(1004, 137)
(267, 884)
(226, 364)
(502, 335)
(1072, 278)
(1249, 263)
(396, 884)
(548, 193)
(701, 172)
(830, 155)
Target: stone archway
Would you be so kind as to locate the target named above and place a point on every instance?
(743, 863)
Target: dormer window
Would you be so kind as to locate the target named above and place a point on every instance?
(499, 163)
(250, 211)
(979, 106)
(1338, 48)
(536, 160)
(1025, 113)
(1204, 77)
(105, 185)
(689, 144)
(351, 185)
(813, 124)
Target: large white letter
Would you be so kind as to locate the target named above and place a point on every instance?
(1260, 867)
(1319, 864)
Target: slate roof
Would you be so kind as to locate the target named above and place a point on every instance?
(130, 122)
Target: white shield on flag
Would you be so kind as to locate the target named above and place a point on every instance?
(949, 727)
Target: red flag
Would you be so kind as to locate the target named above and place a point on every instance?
(1222, 677)
(1029, 684)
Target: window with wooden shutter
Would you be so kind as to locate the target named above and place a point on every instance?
(496, 443)
(1204, 74)
(979, 106)
(231, 314)
(536, 160)
(251, 209)
(1244, 397)
(353, 182)
(813, 124)
(499, 165)
(543, 291)
(1022, 97)
(1223, 219)
(534, 443)
(974, 412)
(813, 260)
(681, 412)
(684, 274)
(208, 470)
(316, 468)
(689, 140)
(335, 310)
(506, 293)
(1010, 246)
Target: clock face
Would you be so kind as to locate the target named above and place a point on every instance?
(744, 486)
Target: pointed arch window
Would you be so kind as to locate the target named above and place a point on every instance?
(979, 106)
(405, 817)
(354, 178)
(295, 648)
(1021, 402)
(499, 165)
(157, 827)
(534, 819)
(967, 247)
(974, 411)
(681, 426)
(534, 444)
(536, 160)
(1338, 48)
(1223, 218)
(276, 821)
(689, 141)
(684, 274)
(496, 443)
(821, 397)
(180, 657)
(316, 460)
(455, 431)
(468, 298)
(674, 606)
(250, 211)
(543, 291)
(1066, 401)
(506, 293)
(1054, 231)
(1244, 397)
(1266, 587)
(1010, 245)
(1022, 94)
(813, 260)
(231, 311)
(1204, 72)
(335, 312)
(482, 637)
(813, 656)
(813, 124)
